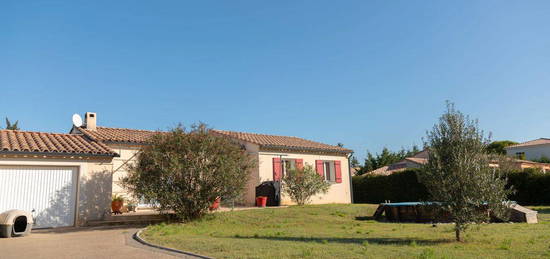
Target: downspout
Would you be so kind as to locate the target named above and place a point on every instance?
(350, 177)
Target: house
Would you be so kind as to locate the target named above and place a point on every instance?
(415, 161)
(275, 154)
(68, 179)
(530, 150)
(421, 158)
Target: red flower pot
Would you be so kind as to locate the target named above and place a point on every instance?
(116, 206)
(261, 201)
(216, 204)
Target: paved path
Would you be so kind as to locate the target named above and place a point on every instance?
(81, 243)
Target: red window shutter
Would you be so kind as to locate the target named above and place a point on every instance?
(277, 169)
(299, 164)
(319, 167)
(338, 171)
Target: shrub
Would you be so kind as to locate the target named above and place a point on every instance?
(186, 171)
(302, 184)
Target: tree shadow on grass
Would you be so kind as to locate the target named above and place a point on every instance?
(359, 241)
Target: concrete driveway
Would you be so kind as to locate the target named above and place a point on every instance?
(81, 243)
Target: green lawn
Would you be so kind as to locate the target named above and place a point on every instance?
(346, 231)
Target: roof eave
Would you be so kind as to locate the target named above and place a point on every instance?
(307, 149)
(56, 154)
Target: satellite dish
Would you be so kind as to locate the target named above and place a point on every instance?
(77, 120)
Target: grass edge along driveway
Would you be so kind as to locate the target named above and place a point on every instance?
(346, 231)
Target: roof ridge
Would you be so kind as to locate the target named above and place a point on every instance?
(305, 143)
(39, 132)
(261, 134)
(115, 128)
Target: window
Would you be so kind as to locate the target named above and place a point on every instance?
(288, 164)
(520, 155)
(330, 172)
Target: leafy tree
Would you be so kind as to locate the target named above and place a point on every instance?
(458, 174)
(185, 171)
(497, 147)
(10, 126)
(386, 157)
(302, 184)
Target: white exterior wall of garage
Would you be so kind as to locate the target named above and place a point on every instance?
(77, 189)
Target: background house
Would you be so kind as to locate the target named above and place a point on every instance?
(530, 150)
(421, 158)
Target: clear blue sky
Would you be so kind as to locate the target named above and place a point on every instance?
(368, 74)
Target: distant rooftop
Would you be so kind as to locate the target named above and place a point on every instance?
(540, 141)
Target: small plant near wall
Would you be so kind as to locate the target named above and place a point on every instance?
(303, 183)
(116, 204)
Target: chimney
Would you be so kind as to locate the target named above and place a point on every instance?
(91, 119)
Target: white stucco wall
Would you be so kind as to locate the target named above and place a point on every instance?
(120, 170)
(338, 192)
(531, 152)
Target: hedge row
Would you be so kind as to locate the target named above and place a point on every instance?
(532, 187)
(397, 187)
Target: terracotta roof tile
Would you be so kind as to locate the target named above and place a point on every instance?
(54, 143)
(121, 135)
(540, 141)
(282, 142)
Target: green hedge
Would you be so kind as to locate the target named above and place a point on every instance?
(532, 187)
(397, 187)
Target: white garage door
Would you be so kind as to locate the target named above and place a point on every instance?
(50, 192)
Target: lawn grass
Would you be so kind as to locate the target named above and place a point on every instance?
(346, 231)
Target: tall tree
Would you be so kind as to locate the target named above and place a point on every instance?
(10, 126)
(497, 147)
(354, 162)
(386, 157)
(458, 174)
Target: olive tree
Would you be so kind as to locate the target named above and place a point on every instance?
(302, 183)
(458, 174)
(185, 171)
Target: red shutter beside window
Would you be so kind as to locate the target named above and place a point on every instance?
(319, 167)
(299, 164)
(338, 172)
(277, 169)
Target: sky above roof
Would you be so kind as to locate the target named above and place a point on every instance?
(367, 74)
